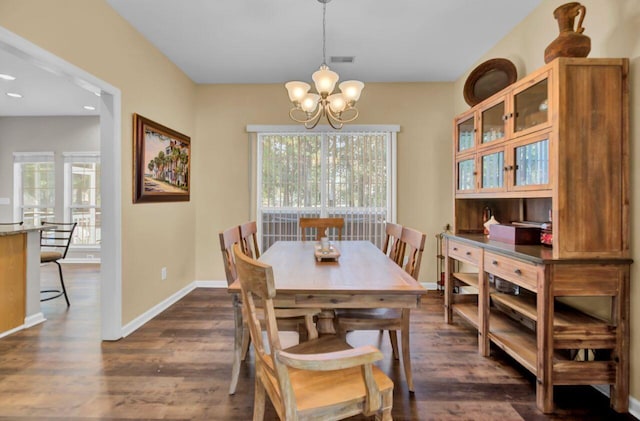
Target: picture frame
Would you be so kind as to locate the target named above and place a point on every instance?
(161, 163)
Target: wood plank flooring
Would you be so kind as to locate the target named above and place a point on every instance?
(177, 367)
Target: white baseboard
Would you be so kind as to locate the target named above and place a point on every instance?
(211, 284)
(429, 285)
(136, 323)
(28, 322)
(33, 320)
(634, 404)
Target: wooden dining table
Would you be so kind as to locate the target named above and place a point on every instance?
(362, 277)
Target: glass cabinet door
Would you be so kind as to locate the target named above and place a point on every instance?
(531, 106)
(493, 123)
(492, 170)
(466, 134)
(466, 174)
(532, 163)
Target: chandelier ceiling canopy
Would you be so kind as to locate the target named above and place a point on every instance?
(309, 107)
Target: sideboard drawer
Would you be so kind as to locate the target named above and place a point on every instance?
(516, 271)
(464, 252)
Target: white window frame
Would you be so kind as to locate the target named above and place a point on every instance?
(256, 131)
(70, 158)
(20, 158)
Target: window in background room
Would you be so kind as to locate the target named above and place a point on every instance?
(82, 196)
(325, 174)
(34, 182)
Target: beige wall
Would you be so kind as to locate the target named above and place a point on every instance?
(90, 35)
(614, 29)
(423, 111)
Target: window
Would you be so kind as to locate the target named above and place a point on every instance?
(345, 174)
(82, 197)
(34, 177)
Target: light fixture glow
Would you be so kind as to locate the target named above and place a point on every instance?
(89, 107)
(4, 76)
(339, 108)
(14, 95)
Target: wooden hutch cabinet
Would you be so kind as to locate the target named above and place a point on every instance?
(552, 147)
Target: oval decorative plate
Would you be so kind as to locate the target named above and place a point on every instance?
(488, 78)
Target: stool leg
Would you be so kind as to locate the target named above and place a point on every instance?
(64, 290)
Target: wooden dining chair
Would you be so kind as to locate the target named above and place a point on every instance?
(321, 379)
(288, 319)
(391, 319)
(321, 226)
(249, 237)
(54, 246)
(392, 245)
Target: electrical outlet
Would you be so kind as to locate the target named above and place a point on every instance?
(163, 273)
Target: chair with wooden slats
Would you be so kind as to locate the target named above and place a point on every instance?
(288, 319)
(321, 379)
(321, 225)
(54, 245)
(392, 245)
(249, 239)
(391, 319)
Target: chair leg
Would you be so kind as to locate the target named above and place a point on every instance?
(387, 403)
(64, 290)
(393, 336)
(237, 345)
(259, 401)
(246, 341)
(406, 349)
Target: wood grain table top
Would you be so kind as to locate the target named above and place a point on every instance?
(361, 269)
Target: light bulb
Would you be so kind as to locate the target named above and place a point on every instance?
(325, 80)
(310, 102)
(351, 89)
(337, 103)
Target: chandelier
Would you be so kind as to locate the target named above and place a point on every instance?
(308, 107)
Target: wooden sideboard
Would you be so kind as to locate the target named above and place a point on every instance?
(552, 147)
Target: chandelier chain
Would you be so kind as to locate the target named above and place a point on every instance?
(324, 36)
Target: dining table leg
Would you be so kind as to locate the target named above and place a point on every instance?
(325, 322)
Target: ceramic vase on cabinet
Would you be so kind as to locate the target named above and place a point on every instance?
(571, 42)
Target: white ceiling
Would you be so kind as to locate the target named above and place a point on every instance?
(44, 93)
(273, 41)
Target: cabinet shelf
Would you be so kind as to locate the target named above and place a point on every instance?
(516, 341)
(563, 315)
(470, 279)
(467, 311)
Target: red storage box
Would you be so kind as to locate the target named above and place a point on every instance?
(513, 234)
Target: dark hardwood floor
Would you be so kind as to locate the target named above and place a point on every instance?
(177, 367)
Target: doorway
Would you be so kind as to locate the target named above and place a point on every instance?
(110, 161)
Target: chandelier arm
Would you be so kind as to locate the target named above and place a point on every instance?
(339, 118)
(315, 116)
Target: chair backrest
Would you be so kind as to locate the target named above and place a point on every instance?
(249, 237)
(58, 238)
(228, 238)
(321, 225)
(413, 244)
(392, 245)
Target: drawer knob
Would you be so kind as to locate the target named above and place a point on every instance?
(495, 263)
(468, 253)
(455, 249)
(518, 272)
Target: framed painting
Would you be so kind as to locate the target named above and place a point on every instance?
(161, 163)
